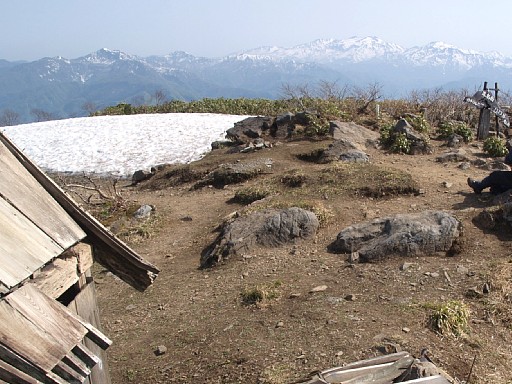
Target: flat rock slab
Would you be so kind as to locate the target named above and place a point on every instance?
(269, 228)
(421, 234)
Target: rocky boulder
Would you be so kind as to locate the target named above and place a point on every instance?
(360, 137)
(235, 173)
(425, 233)
(268, 228)
(419, 143)
(343, 150)
(251, 128)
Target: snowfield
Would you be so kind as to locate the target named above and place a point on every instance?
(119, 145)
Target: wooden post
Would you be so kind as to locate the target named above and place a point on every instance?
(484, 121)
(496, 117)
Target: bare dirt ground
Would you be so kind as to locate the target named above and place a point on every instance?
(212, 337)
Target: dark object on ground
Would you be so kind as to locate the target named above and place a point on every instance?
(269, 228)
(396, 367)
(425, 233)
(497, 181)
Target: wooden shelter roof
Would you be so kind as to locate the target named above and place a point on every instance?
(41, 229)
(38, 221)
(34, 227)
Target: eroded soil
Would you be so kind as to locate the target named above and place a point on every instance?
(212, 337)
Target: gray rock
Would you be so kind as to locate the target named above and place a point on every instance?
(419, 234)
(269, 228)
(453, 156)
(140, 175)
(235, 173)
(360, 137)
(144, 212)
(248, 129)
(160, 350)
(455, 141)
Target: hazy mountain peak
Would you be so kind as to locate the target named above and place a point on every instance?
(107, 56)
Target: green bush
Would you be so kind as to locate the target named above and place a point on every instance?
(450, 318)
(420, 124)
(448, 128)
(386, 134)
(495, 147)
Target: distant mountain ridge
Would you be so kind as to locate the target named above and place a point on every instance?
(63, 86)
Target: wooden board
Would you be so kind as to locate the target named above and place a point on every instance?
(57, 277)
(112, 252)
(23, 247)
(24, 192)
(85, 306)
(38, 328)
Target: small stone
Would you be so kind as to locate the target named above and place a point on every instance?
(461, 269)
(354, 257)
(447, 184)
(406, 330)
(160, 350)
(339, 353)
(350, 297)
(486, 288)
(294, 295)
(319, 288)
(434, 274)
(473, 292)
(143, 212)
(280, 324)
(406, 266)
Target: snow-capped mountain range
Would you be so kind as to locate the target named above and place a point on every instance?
(63, 86)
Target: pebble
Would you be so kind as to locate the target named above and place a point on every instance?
(160, 350)
(319, 288)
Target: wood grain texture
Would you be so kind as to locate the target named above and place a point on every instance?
(23, 247)
(24, 192)
(38, 328)
(57, 277)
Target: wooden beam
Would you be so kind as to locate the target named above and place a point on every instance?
(83, 253)
(57, 277)
(27, 367)
(84, 354)
(68, 373)
(114, 254)
(12, 375)
(85, 306)
(77, 364)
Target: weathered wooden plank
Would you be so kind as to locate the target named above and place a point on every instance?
(83, 253)
(14, 376)
(23, 247)
(86, 307)
(84, 354)
(24, 192)
(17, 361)
(113, 253)
(38, 328)
(392, 357)
(377, 374)
(430, 380)
(78, 365)
(57, 277)
(67, 373)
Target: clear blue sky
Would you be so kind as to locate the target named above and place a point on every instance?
(32, 29)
